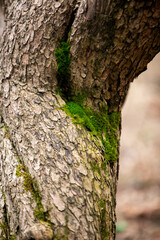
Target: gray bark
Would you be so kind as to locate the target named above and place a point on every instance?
(111, 43)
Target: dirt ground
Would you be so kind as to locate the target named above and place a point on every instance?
(138, 197)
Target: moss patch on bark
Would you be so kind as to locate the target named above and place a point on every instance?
(30, 185)
(100, 124)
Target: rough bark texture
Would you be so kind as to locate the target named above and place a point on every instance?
(120, 38)
(49, 187)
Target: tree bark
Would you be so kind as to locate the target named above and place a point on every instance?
(53, 181)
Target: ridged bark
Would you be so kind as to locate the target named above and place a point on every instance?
(53, 185)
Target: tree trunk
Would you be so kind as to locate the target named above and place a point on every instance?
(59, 152)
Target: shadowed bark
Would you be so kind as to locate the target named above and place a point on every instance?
(55, 180)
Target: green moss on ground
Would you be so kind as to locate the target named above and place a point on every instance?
(101, 124)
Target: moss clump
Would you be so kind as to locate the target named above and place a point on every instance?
(63, 58)
(5, 128)
(39, 212)
(6, 132)
(27, 183)
(31, 186)
(100, 124)
(80, 116)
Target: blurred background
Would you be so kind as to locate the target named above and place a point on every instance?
(138, 197)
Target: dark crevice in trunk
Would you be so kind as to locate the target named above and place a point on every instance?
(5, 226)
(69, 26)
(63, 59)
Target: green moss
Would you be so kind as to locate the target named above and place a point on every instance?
(6, 132)
(6, 225)
(4, 196)
(101, 124)
(5, 128)
(63, 58)
(103, 226)
(95, 167)
(12, 237)
(31, 186)
(19, 160)
(27, 183)
(5, 229)
(5, 232)
(39, 212)
(66, 231)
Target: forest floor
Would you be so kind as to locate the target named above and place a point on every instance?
(138, 196)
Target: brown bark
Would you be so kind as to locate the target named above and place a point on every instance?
(111, 43)
(120, 39)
